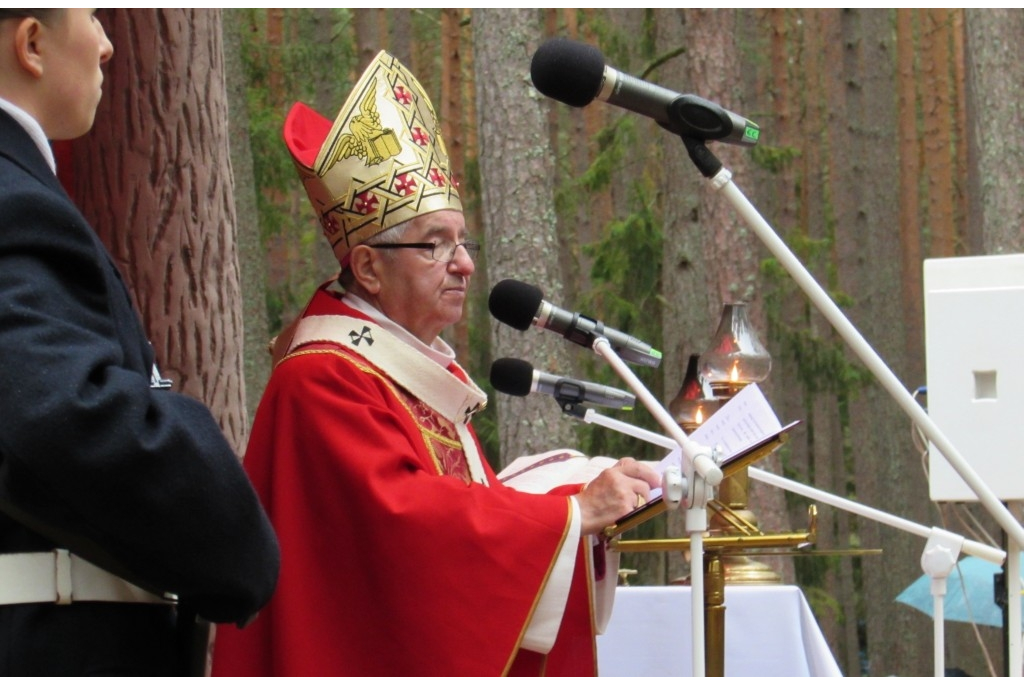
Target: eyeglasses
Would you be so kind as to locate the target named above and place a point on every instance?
(443, 251)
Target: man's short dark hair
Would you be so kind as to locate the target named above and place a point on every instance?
(45, 15)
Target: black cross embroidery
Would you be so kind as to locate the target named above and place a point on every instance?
(469, 411)
(358, 337)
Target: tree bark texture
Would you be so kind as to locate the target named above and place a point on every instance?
(995, 61)
(154, 177)
(845, 89)
(251, 252)
(887, 475)
(517, 179)
(454, 131)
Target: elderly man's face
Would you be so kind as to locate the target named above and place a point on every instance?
(421, 294)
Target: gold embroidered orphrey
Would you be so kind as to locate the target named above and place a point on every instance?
(383, 162)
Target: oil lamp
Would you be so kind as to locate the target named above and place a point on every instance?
(735, 356)
(694, 403)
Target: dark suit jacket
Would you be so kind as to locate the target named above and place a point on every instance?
(139, 481)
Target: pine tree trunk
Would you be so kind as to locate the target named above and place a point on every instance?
(995, 61)
(517, 178)
(864, 188)
(251, 252)
(154, 178)
(453, 130)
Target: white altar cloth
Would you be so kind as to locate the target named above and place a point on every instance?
(769, 631)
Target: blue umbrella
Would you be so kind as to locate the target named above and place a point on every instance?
(970, 593)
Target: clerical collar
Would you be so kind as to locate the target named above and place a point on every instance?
(441, 352)
(34, 130)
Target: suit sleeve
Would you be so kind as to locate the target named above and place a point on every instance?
(141, 480)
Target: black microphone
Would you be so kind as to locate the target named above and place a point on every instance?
(519, 378)
(575, 73)
(520, 304)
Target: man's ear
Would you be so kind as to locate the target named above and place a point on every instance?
(26, 45)
(364, 262)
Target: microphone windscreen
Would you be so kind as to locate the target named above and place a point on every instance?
(512, 376)
(515, 303)
(568, 71)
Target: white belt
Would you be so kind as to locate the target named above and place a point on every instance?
(60, 577)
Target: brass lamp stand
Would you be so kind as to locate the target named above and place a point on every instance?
(730, 520)
(735, 359)
(731, 517)
(715, 549)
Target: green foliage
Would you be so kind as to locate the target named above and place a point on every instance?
(822, 603)
(822, 363)
(273, 87)
(625, 274)
(626, 278)
(774, 158)
(620, 47)
(627, 284)
(612, 141)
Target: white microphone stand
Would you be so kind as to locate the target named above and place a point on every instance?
(1015, 641)
(937, 560)
(721, 180)
(940, 553)
(702, 475)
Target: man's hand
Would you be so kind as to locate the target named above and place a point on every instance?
(616, 492)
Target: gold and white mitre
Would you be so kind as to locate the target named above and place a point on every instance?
(383, 162)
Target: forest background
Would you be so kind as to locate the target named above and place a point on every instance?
(887, 138)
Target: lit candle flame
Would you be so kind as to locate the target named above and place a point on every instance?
(734, 375)
(699, 416)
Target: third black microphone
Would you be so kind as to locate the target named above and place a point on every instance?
(519, 378)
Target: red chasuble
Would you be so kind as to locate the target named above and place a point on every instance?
(394, 562)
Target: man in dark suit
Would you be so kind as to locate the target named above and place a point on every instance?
(123, 509)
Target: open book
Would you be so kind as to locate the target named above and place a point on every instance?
(745, 428)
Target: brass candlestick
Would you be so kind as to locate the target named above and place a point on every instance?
(732, 518)
(734, 359)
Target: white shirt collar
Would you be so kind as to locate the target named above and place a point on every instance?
(34, 130)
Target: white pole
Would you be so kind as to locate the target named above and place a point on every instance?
(701, 473)
(1014, 659)
(723, 181)
(975, 549)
